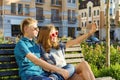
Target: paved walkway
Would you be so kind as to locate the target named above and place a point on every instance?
(105, 78)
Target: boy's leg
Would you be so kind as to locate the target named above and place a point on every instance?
(38, 78)
(56, 76)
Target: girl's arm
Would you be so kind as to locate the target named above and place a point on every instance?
(79, 39)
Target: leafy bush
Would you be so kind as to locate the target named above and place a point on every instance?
(96, 57)
(113, 71)
(6, 40)
(94, 54)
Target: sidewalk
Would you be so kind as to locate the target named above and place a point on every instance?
(105, 78)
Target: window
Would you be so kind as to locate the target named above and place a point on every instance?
(13, 8)
(20, 9)
(69, 1)
(90, 22)
(27, 9)
(40, 1)
(110, 1)
(85, 24)
(82, 14)
(110, 11)
(97, 12)
(98, 22)
(89, 11)
(105, 11)
(39, 13)
(71, 16)
(94, 13)
(105, 1)
(71, 32)
(73, 13)
(78, 28)
(85, 14)
(69, 13)
(52, 1)
(73, 1)
(56, 2)
(82, 24)
(15, 30)
(55, 15)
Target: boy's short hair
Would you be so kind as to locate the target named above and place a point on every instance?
(27, 22)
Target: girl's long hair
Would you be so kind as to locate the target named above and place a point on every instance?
(44, 38)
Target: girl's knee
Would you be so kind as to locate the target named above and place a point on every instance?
(82, 66)
(84, 62)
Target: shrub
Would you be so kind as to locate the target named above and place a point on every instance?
(96, 57)
(113, 71)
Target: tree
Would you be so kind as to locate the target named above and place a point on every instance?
(108, 34)
(80, 1)
(118, 23)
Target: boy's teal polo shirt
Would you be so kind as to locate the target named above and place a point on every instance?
(26, 67)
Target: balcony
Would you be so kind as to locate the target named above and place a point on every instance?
(40, 18)
(56, 19)
(72, 20)
(56, 3)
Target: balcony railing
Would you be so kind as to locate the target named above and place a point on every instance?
(56, 19)
(40, 1)
(40, 18)
(72, 20)
(57, 3)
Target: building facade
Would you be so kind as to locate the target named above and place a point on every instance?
(95, 11)
(62, 13)
(12, 13)
(89, 12)
(117, 20)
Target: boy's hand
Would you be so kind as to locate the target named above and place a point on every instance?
(65, 74)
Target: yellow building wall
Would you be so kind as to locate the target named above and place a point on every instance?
(8, 3)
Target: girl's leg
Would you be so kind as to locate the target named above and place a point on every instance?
(84, 70)
(76, 77)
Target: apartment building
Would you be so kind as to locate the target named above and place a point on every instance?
(117, 20)
(89, 12)
(12, 12)
(95, 11)
(62, 13)
(117, 11)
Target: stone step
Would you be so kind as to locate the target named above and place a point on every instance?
(104, 78)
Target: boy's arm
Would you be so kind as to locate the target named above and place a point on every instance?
(47, 66)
